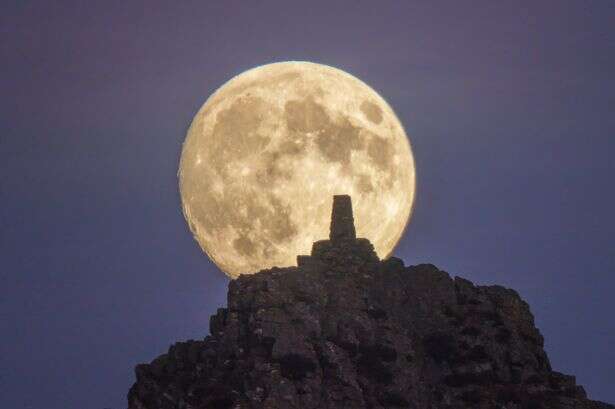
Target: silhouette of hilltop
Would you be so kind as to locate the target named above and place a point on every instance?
(345, 329)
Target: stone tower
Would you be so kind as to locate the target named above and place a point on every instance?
(342, 221)
(343, 246)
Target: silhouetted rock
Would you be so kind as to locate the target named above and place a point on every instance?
(342, 220)
(346, 330)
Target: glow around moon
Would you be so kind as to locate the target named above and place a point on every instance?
(268, 150)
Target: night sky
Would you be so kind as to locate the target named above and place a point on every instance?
(510, 110)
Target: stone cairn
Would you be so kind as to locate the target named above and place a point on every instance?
(343, 251)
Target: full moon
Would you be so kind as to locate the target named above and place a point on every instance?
(267, 151)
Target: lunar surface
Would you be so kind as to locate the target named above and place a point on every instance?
(268, 150)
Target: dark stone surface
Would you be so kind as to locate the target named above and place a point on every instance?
(378, 335)
(342, 220)
(346, 330)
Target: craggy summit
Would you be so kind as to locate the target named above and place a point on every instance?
(344, 329)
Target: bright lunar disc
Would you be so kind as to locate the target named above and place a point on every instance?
(269, 149)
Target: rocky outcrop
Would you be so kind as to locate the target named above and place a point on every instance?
(344, 329)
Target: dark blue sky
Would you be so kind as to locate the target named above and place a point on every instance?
(511, 114)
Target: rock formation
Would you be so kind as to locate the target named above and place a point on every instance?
(344, 329)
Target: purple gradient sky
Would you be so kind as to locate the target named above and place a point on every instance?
(510, 110)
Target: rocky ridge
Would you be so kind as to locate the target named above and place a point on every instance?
(344, 329)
